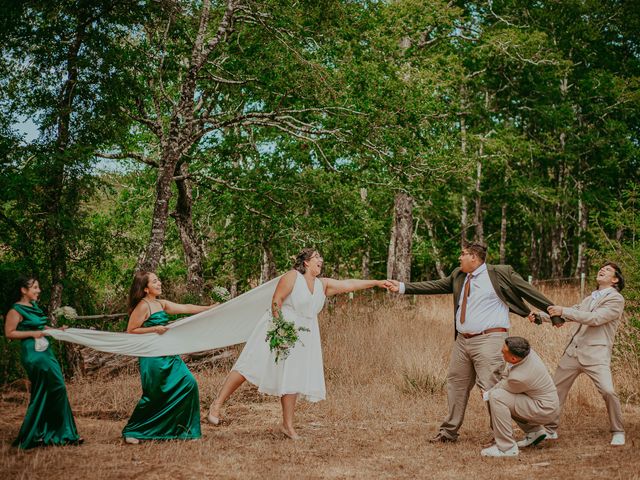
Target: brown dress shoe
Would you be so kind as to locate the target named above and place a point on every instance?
(440, 438)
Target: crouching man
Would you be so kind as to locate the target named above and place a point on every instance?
(526, 394)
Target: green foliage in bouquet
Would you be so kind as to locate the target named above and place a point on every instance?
(282, 335)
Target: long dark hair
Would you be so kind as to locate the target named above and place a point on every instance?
(23, 281)
(136, 292)
(304, 255)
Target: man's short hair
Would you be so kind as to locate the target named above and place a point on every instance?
(618, 272)
(477, 249)
(518, 346)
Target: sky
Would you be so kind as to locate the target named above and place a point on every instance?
(26, 127)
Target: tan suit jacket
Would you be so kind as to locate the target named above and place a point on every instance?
(531, 378)
(592, 340)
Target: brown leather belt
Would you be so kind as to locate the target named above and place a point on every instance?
(489, 330)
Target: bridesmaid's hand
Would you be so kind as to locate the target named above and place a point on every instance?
(160, 329)
(38, 334)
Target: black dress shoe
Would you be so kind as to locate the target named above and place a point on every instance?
(440, 438)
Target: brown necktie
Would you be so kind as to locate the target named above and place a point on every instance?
(465, 295)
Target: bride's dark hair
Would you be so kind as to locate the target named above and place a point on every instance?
(302, 257)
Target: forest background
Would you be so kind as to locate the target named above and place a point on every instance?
(210, 141)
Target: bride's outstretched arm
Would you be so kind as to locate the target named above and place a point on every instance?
(334, 287)
(283, 290)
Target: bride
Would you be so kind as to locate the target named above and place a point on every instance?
(300, 295)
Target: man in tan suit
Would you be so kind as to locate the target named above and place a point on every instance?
(589, 350)
(526, 394)
(483, 296)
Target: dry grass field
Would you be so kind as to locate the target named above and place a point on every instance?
(385, 365)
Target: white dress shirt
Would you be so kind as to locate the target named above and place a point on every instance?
(485, 310)
(597, 294)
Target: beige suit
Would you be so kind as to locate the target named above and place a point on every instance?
(527, 395)
(589, 351)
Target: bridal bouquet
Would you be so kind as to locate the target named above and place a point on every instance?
(282, 335)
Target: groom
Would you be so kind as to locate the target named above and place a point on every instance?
(483, 296)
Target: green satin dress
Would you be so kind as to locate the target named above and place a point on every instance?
(49, 420)
(170, 406)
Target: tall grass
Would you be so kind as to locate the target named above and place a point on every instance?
(377, 348)
(385, 360)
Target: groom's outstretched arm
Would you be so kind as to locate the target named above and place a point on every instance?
(443, 285)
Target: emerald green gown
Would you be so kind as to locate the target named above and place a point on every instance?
(49, 420)
(170, 406)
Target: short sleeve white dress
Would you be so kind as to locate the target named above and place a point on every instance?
(302, 372)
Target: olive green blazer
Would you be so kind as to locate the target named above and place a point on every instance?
(509, 286)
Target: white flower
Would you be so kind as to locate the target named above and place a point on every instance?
(220, 294)
(66, 312)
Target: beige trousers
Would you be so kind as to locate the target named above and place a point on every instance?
(526, 412)
(476, 360)
(568, 370)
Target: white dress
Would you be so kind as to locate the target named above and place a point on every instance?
(302, 372)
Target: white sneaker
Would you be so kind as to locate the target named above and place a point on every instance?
(494, 451)
(532, 439)
(617, 440)
(552, 436)
(131, 440)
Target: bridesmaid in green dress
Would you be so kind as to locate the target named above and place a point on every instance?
(169, 407)
(49, 420)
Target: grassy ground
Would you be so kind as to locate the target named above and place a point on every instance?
(385, 366)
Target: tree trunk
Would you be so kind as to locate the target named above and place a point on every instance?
(181, 133)
(151, 259)
(464, 215)
(364, 268)
(366, 255)
(434, 244)
(534, 263)
(193, 250)
(503, 235)
(557, 230)
(581, 263)
(463, 149)
(55, 234)
(268, 268)
(477, 217)
(557, 236)
(232, 264)
(399, 261)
